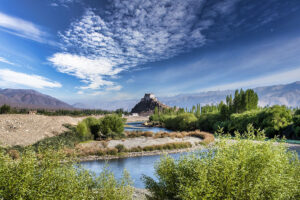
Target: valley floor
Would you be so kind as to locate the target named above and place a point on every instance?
(26, 129)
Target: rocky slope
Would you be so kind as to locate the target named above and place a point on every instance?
(30, 99)
(147, 105)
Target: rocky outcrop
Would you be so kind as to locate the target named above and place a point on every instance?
(147, 105)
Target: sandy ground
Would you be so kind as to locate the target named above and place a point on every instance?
(140, 141)
(25, 129)
(137, 119)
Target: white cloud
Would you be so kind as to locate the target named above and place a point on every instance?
(114, 88)
(90, 71)
(21, 28)
(283, 77)
(9, 77)
(134, 32)
(6, 61)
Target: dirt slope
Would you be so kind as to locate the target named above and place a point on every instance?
(28, 129)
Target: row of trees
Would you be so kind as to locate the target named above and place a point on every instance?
(6, 109)
(234, 115)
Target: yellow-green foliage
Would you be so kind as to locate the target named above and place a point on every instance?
(109, 126)
(83, 130)
(49, 175)
(240, 169)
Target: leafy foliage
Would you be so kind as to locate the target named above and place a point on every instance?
(5, 109)
(231, 170)
(109, 126)
(43, 175)
(234, 115)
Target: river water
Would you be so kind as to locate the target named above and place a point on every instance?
(137, 166)
(138, 126)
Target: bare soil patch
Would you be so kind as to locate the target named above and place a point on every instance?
(26, 129)
(138, 142)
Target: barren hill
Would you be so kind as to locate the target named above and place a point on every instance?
(30, 99)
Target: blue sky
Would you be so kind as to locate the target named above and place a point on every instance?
(82, 51)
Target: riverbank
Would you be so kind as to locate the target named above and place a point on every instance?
(142, 144)
(142, 154)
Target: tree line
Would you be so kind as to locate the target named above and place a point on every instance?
(6, 109)
(233, 115)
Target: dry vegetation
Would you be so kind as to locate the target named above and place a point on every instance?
(139, 141)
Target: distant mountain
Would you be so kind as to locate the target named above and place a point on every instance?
(288, 95)
(30, 99)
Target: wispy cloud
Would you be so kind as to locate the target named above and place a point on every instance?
(6, 61)
(134, 32)
(9, 78)
(64, 3)
(22, 28)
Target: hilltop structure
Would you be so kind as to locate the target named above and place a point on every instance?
(147, 105)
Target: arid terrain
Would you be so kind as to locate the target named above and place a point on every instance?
(25, 129)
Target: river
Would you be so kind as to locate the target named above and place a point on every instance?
(137, 166)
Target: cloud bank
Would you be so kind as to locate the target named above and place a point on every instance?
(9, 77)
(134, 32)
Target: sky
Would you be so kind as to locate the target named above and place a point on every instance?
(87, 50)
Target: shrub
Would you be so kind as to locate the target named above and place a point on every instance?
(44, 176)
(182, 122)
(112, 151)
(93, 125)
(232, 170)
(120, 147)
(83, 130)
(5, 109)
(275, 119)
(111, 126)
(14, 154)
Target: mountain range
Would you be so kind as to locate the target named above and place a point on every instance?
(288, 94)
(30, 99)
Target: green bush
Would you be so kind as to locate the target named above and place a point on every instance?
(44, 176)
(274, 119)
(93, 125)
(120, 147)
(5, 109)
(83, 130)
(232, 170)
(111, 126)
(182, 122)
